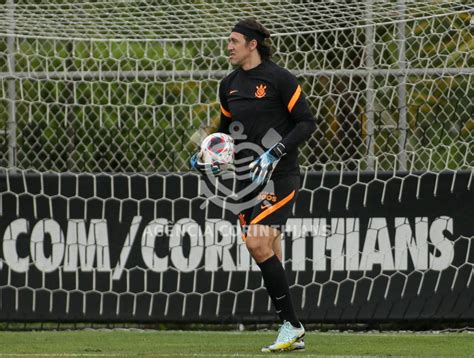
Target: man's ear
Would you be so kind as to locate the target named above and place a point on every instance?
(253, 44)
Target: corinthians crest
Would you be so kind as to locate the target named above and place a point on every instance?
(216, 192)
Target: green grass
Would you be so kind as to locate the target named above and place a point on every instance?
(121, 343)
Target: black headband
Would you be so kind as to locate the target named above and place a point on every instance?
(250, 33)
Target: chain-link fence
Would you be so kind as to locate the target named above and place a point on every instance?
(392, 89)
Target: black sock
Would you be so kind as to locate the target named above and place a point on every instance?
(277, 286)
(277, 306)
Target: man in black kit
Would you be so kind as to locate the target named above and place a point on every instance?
(264, 109)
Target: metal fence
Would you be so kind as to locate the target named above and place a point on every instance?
(387, 95)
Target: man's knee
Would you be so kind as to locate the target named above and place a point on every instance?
(260, 242)
(254, 243)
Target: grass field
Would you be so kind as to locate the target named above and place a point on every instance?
(124, 343)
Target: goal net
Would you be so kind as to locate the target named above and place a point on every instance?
(101, 104)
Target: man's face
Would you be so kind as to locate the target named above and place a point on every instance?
(239, 49)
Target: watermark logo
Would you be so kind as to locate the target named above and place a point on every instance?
(244, 195)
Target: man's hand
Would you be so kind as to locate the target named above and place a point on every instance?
(204, 168)
(262, 168)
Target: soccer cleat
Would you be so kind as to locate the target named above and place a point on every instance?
(287, 337)
(298, 345)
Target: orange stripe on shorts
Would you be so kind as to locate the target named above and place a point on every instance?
(272, 208)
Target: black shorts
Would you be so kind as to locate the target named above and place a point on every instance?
(271, 205)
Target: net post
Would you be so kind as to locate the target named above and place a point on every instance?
(11, 127)
(402, 106)
(369, 105)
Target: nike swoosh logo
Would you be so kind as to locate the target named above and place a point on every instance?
(233, 91)
(265, 206)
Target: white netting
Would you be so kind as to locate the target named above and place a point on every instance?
(178, 20)
(367, 247)
(122, 86)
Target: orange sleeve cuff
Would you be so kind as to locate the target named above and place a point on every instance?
(225, 112)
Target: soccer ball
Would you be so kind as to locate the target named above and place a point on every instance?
(218, 148)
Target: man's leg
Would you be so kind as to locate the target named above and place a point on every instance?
(277, 248)
(278, 253)
(260, 241)
(264, 244)
(267, 252)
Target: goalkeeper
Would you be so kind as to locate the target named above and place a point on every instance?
(266, 104)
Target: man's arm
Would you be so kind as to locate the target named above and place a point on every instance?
(220, 124)
(226, 116)
(297, 106)
(225, 120)
(305, 125)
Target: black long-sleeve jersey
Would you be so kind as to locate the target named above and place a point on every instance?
(261, 107)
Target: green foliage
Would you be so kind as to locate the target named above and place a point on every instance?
(126, 123)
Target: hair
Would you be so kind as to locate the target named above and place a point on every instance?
(264, 47)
